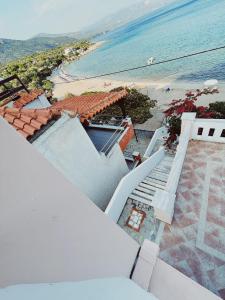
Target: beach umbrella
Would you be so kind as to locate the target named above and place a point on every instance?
(211, 82)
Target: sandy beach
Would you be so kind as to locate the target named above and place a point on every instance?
(156, 90)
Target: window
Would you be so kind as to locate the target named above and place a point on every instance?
(200, 131)
(211, 132)
(223, 133)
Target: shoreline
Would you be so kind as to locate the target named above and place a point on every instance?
(155, 89)
(59, 74)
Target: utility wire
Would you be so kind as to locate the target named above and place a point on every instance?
(146, 66)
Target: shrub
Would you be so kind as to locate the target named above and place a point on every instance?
(188, 104)
(137, 106)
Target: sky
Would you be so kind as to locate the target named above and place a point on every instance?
(22, 19)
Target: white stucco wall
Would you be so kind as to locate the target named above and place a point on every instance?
(49, 230)
(40, 102)
(67, 146)
(97, 289)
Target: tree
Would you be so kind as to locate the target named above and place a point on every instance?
(188, 104)
(137, 105)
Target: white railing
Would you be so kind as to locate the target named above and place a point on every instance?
(178, 161)
(209, 130)
(159, 134)
(129, 183)
(198, 129)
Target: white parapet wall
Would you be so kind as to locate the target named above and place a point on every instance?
(129, 183)
(68, 147)
(163, 281)
(209, 130)
(175, 172)
(159, 134)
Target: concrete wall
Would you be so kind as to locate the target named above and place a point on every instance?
(127, 136)
(206, 124)
(97, 289)
(159, 134)
(67, 146)
(129, 183)
(40, 102)
(169, 284)
(49, 230)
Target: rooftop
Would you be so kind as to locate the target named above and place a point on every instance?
(87, 106)
(25, 98)
(28, 121)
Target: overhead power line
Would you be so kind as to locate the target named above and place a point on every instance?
(147, 66)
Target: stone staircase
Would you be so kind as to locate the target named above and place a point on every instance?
(156, 180)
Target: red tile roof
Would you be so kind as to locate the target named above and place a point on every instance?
(88, 106)
(28, 121)
(26, 98)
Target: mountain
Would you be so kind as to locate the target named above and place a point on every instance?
(115, 20)
(13, 49)
(128, 14)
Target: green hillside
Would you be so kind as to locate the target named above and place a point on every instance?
(34, 69)
(14, 49)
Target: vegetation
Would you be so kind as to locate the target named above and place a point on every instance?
(14, 49)
(218, 108)
(137, 106)
(188, 104)
(91, 93)
(34, 70)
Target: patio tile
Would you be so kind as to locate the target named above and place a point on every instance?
(195, 242)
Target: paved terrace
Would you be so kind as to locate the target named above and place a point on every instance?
(195, 242)
(140, 144)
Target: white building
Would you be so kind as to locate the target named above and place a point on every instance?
(55, 244)
(90, 155)
(177, 199)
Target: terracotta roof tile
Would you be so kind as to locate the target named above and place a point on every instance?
(28, 121)
(26, 98)
(88, 106)
(18, 123)
(26, 135)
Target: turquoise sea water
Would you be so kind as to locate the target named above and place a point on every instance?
(176, 30)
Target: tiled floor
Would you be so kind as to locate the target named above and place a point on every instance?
(149, 226)
(195, 242)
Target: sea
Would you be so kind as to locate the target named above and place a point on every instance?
(185, 27)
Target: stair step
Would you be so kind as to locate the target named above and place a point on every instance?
(153, 184)
(170, 159)
(144, 190)
(155, 180)
(160, 174)
(164, 165)
(139, 199)
(142, 195)
(148, 187)
(162, 170)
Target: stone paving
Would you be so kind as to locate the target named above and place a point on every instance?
(195, 242)
(149, 226)
(144, 137)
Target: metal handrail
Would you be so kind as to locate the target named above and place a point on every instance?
(112, 139)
